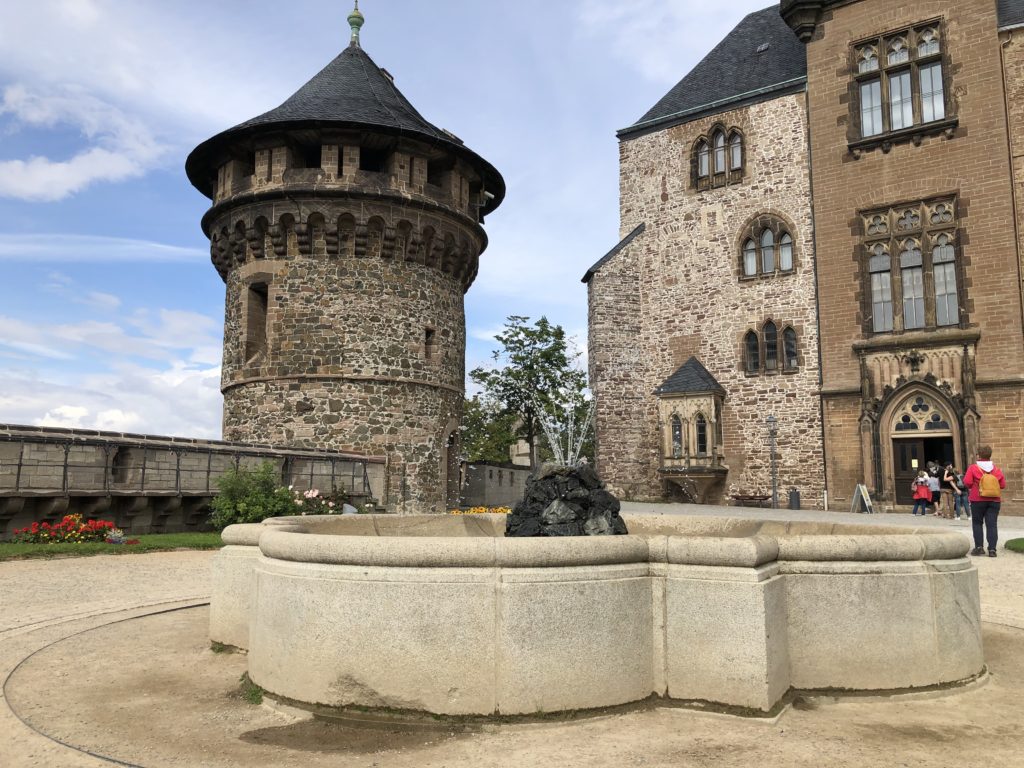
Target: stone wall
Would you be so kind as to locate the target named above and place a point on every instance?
(492, 485)
(966, 156)
(678, 290)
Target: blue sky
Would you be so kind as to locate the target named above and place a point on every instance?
(110, 312)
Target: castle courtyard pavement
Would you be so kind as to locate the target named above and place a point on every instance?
(105, 661)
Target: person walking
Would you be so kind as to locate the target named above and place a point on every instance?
(922, 495)
(934, 486)
(985, 483)
(952, 480)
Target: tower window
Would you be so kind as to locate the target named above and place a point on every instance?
(256, 321)
(310, 155)
(373, 160)
(429, 336)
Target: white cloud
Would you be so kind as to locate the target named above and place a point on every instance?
(39, 248)
(663, 39)
(123, 146)
(100, 300)
(180, 400)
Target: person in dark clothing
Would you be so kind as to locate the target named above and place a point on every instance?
(952, 480)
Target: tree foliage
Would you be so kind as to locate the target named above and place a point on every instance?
(251, 496)
(487, 431)
(535, 369)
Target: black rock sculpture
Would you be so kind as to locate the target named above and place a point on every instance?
(565, 501)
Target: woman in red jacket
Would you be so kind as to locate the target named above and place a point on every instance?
(986, 483)
(922, 493)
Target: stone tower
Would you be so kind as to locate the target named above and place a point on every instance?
(347, 229)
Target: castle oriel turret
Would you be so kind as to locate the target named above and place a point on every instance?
(347, 229)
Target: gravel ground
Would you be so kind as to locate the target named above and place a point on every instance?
(109, 654)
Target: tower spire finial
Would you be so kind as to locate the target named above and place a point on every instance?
(356, 21)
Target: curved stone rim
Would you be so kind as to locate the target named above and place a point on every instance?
(297, 540)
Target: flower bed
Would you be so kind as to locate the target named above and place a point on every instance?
(481, 511)
(70, 530)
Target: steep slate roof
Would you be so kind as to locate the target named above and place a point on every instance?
(692, 377)
(351, 89)
(608, 256)
(350, 92)
(734, 72)
(1011, 13)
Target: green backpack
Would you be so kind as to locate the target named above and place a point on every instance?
(988, 488)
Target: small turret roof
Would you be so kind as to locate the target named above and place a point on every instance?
(690, 378)
(350, 92)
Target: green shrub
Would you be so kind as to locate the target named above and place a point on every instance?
(251, 496)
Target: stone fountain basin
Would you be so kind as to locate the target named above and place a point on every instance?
(443, 614)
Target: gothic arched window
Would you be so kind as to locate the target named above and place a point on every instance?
(752, 352)
(701, 427)
(719, 141)
(767, 251)
(947, 308)
(786, 253)
(789, 356)
(677, 437)
(735, 152)
(717, 158)
(768, 248)
(749, 258)
(771, 346)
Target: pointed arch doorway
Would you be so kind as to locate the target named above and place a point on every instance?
(921, 426)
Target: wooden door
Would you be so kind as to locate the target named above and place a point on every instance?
(909, 457)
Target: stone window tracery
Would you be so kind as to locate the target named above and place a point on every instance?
(767, 250)
(718, 158)
(920, 414)
(915, 270)
(902, 90)
(770, 350)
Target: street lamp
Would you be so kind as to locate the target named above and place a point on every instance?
(773, 433)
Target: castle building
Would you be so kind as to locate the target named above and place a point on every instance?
(821, 223)
(347, 229)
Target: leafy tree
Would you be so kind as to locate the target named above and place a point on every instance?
(487, 431)
(535, 372)
(251, 496)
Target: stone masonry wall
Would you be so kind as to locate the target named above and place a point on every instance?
(678, 291)
(970, 159)
(363, 346)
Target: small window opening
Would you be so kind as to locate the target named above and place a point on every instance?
(310, 155)
(373, 160)
(256, 321)
(677, 438)
(249, 164)
(434, 171)
(429, 336)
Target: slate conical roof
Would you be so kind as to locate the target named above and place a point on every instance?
(690, 377)
(350, 92)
